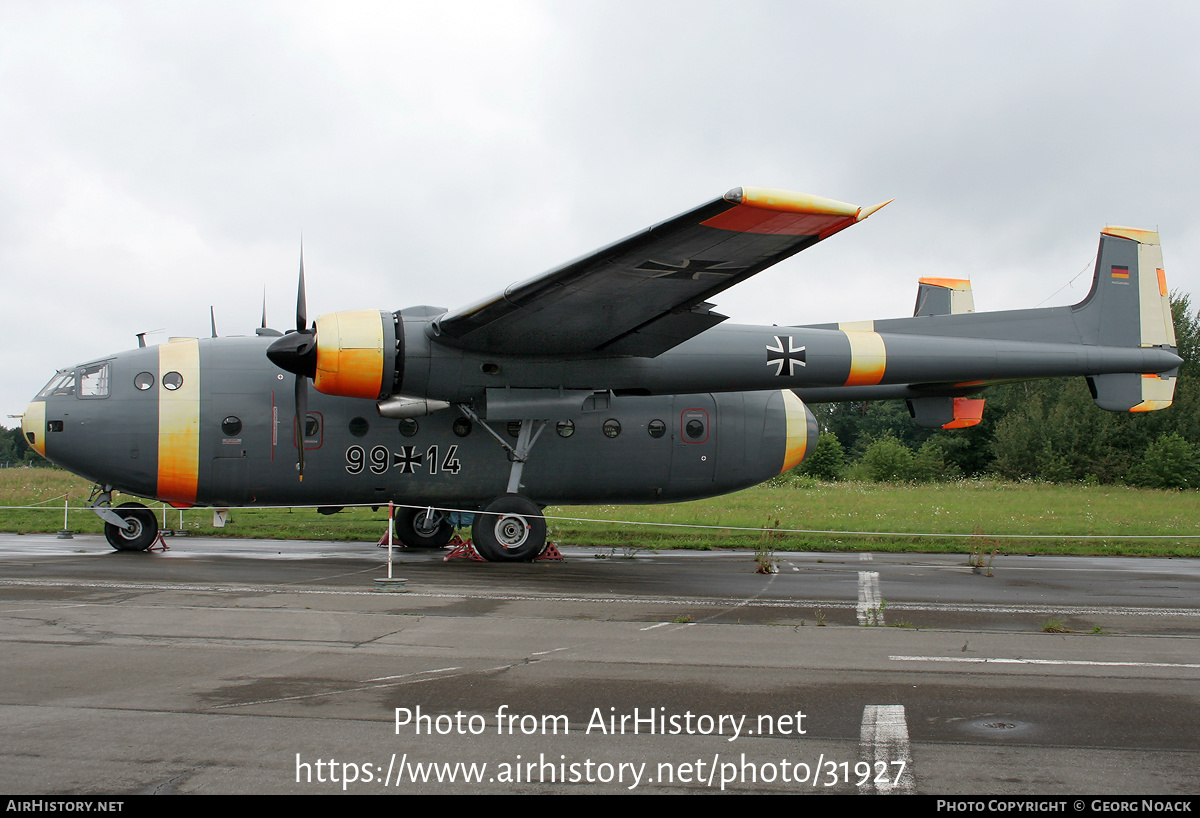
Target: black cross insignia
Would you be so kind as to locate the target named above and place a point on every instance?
(779, 357)
(690, 270)
(407, 459)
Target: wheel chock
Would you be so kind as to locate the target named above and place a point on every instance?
(159, 544)
(463, 551)
(551, 553)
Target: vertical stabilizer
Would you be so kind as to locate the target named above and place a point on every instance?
(944, 296)
(1129, 305)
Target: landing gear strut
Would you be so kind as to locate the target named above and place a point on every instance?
(510, 529)
(140, 531)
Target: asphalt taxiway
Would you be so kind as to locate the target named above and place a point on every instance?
(240, 666)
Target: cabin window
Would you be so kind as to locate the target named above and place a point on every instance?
(461, 427)
(514, 428)
(359, 426)
(656, 428)
(565, 428)
(409, 427)
(143, 381)
(172, 381)
(93, 380)
(612, 427)
(231, 425)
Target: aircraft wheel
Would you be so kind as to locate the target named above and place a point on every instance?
(143, 528)
(413, 530)
(511, 529)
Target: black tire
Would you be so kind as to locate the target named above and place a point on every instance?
(413, 531)
(511, 529)
(142, 533)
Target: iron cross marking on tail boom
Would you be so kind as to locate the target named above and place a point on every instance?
(779, 357)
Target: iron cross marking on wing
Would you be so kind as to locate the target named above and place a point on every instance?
(779, 357)
(407, 459)
(690, 269)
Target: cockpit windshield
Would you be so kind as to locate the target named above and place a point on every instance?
(63, 383)
(87, 381)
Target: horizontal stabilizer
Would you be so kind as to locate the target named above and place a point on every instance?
(1132, 392)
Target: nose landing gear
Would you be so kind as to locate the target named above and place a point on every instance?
(141, 528)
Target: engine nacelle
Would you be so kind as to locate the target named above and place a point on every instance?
(353, 354)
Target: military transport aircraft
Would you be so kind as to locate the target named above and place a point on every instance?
(607, 380)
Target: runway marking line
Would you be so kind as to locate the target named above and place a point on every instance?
(981, 660)
(883, 739)
(868, 608)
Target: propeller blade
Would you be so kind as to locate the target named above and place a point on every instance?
(212, 316)
(301, 306)
(264, 320)
(301, 417)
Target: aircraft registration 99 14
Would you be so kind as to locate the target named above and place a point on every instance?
(607, 380)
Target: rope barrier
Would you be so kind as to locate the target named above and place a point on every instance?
(702, 526)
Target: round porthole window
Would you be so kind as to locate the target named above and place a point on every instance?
(461, 427)
(359, 426)
(656, 428)
(612, 427)
(172, 381)
(514, 428)
(409, 427)
(231, 425)
(565, 428)
(694, 429)
(143, 381)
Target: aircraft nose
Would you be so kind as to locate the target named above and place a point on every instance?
(33, 426)
(295, 352)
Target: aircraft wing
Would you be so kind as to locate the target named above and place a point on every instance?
(647, 293)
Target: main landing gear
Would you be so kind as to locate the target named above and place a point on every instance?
(510, 529)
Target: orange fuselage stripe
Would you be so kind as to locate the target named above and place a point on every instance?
(179, 423)
(868, 358)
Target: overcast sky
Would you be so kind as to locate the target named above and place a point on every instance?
(161, 157)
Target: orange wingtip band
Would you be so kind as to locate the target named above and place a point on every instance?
(787, 201)
(748, 219)
(1162, 282)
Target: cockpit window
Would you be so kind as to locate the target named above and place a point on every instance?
(93, 380)
(63, 383)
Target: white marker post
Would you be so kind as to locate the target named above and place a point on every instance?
(390, 582)
(65, 533)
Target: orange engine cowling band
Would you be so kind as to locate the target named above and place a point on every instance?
(356, 354)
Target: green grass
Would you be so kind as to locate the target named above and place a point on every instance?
(984, 507)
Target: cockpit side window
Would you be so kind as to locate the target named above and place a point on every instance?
(63, 383)
(94, 380)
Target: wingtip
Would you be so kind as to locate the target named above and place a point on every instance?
(867, 211)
